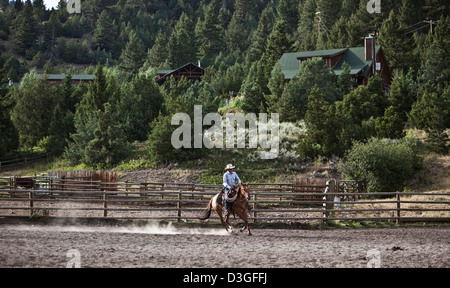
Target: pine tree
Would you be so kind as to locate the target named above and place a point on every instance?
(138, 106)
(253, 90)
(313, 73)
(278, 43)
(133, 56)
(390, 125)
(210, 35)
(431, 112)
(396, 45)
(441, 38)
(109, 145)
(97, 94)
(237, 35)
(33, 111)
(242, 8)
(288, 11)
(26, 32)
(276, 86)
(18, 5)
(316, 141)
(52, 30)
(354, 29)
(93, 10)
(435, 70)
(259, 38)
(306, 24)
(344, 81)
(85, 123)
(10, 138)
(365, 102)
(158, 53)
(55, 143)
(182, 44)
(436, 8)
(401, 95)
(338, 34)
(39, 9)
(201, 93)
(105, 32)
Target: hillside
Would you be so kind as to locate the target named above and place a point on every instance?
(167, 34)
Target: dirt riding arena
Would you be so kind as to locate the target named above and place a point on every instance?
(154, 245)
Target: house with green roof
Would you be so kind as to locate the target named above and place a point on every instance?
(362, 63)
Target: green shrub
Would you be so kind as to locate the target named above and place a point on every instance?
(382, 165)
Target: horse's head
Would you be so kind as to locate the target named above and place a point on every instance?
(245, 190)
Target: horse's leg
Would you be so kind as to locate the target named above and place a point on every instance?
(243, 216)
(219, 211)
(228, 223)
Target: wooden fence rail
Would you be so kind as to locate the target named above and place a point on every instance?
(183, 202)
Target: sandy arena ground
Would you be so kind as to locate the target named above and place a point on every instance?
(26, 245)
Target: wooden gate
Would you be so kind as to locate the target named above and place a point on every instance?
(310, 186)
(84, 180)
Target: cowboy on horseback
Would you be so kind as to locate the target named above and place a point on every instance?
(229, 179)
(240, 200)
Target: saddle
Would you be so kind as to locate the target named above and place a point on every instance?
(221, 199)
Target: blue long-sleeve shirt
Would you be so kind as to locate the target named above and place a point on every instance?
(229, 179)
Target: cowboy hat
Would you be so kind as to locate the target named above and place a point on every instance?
(229, 166)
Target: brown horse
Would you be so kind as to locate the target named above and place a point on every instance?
(239, 208)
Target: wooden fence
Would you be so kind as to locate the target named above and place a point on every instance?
(283, 202)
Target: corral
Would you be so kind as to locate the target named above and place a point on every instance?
(306, 200)
(61, 204)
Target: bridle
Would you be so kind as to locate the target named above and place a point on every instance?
(246, 191)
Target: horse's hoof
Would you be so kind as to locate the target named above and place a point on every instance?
(250, 234)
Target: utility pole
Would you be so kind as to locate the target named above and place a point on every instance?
(431, 24)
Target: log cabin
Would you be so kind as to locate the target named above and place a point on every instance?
(362, 62)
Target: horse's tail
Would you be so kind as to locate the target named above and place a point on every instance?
(207, 212)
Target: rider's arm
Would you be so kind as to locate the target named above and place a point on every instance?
(237, 178)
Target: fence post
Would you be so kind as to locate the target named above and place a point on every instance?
(105, 204)
(179, 206)
(255, 214)
(30, 194)
(328, 204)
(325, 213)
(397, 220)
